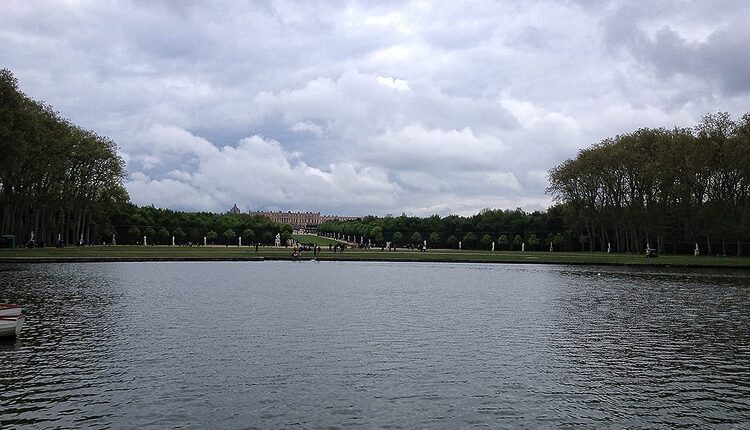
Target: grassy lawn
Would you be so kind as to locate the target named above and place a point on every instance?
(317, 240)
(101, 253)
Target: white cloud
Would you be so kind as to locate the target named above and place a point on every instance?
(396, 84)
(375, 107)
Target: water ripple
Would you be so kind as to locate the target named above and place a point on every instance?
(374, 345)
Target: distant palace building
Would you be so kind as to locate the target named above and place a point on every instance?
(235, 209)
(301, 219)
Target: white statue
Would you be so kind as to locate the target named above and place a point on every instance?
(459, 244)
(493, 246)
(144, 241)
(204, 240)
(551, 249)
(523, 247)
(277, 242)
(172, 240)
(113, 240)
(240, 241)
(609, 247)
(697, 250)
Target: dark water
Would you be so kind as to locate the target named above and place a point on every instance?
(374, 345)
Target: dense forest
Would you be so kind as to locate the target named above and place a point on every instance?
(56, 179)
(669, 189)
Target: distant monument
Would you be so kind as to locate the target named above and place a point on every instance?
(235, 209)
(277, 242)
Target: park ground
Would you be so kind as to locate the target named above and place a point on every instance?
(247, 253)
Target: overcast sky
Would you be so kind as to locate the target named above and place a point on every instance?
(371, 107)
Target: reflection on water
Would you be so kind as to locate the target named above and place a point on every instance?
(374, 345)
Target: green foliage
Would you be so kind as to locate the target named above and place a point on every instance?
(487, 241)
(469, 241)
(416, 238)
(211, 236)
(134, 234)
(503, 241)
(492, 222)
(533, 241)
(55, 177)
(518, 240)
(376, 234)
(559, 239)
(229, 236)
(668, 188)
(179, 235)
(452, 242)
(248, 235)
(163, 235)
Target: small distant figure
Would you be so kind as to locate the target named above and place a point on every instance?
(697, 250)
(651, 252)
(609, 248)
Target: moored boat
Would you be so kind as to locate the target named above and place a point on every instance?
(9, 310)
(11, 320)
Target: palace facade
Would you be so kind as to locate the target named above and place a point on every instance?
(301, 219)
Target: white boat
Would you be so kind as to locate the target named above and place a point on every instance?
(9, 310)
(11, 320)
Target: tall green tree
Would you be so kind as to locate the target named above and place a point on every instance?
(434, 240)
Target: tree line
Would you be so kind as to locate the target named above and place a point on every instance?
(131, 223)
(57, 180)
(508, 229)
(667, 189)
(64, 183)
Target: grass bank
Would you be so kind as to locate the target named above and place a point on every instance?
(178, 253)
(317, 240)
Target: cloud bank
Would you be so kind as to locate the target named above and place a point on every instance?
(370, 107)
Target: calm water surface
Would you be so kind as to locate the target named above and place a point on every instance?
(374, 345)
